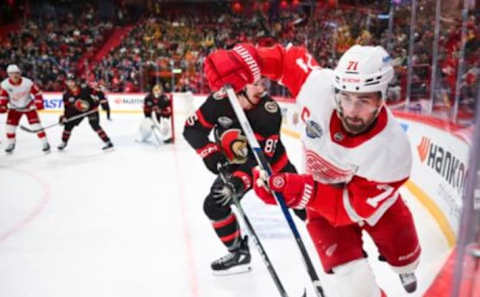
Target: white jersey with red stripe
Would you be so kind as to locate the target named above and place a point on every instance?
(19, 95)
(364, 171)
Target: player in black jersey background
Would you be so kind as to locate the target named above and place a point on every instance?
(230, 150)
(79, 99)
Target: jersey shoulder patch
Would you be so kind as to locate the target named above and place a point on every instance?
(271, 106)
(225, 122)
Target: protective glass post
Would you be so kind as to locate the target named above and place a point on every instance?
(390, 27)
(468, 245)
(411, 52)
(461, 56)
(433, 82)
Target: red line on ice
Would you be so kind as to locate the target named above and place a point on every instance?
(186, 232)
(35, 211)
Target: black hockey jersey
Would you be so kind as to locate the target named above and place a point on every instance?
(162, 105)
(83, 100)
(217, 114)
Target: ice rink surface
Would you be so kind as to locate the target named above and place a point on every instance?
(130, 223)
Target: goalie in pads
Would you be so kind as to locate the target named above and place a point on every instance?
(160, 105)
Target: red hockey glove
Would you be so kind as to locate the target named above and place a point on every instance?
(297, 189)
(3, 106)
(237, 67)
(39, 103)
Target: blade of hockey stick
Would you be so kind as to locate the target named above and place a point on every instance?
(27, 129)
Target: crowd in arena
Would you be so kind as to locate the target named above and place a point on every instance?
(49, 47)
(169, 43)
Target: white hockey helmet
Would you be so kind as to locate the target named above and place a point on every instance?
(12, 68)
(364, 69)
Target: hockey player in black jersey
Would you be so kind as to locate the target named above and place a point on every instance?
(160, 104)
(77, 100)
(231, 152)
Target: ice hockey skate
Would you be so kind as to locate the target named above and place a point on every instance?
(10, 148)
(409, 281)
(108, 146)
(62, 146)
(46, 148)
(236, 261)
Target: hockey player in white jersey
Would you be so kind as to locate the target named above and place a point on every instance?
(20, 96)
(356, 158)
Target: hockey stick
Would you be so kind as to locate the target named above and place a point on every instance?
(78, 116)
(255, 239)
(263, 163)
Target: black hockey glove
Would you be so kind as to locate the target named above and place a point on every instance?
(61, 120)
(224, 192)
(213, 160)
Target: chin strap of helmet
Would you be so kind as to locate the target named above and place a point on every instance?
(244, 94)
(382, 95)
